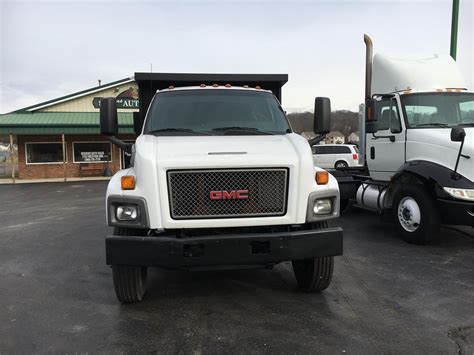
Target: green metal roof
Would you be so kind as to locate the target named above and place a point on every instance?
(60, 122)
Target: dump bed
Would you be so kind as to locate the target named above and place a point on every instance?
(149, 83)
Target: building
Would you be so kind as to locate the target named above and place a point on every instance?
(61, 137)
(334, 137)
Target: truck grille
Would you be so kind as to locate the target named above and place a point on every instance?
(227, 193)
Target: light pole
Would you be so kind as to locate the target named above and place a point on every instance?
(454, 29)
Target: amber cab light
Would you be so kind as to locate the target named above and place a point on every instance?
(128, 182)
(322, 177)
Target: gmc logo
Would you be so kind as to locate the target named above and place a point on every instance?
(229, 195)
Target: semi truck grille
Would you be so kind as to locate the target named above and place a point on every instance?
(227, 193)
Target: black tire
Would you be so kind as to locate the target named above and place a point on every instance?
(429, 220)
(315, 274)
(340, 164)
(129, 281)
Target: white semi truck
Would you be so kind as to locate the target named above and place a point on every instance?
(417, 145)
(218, 180)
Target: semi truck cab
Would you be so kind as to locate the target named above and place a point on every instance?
(417, 145)
(218, 180)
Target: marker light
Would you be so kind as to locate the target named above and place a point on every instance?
(128, 182)
(322, 177)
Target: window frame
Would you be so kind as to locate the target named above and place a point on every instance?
(400, 119)
(46, 163)
(92, 162)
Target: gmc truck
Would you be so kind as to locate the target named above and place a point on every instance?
(218, 180)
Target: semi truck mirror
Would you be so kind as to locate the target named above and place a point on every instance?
(137, 123)
(322, 115)
(457, 134)
(370, 110)
(371, 127)
(108, 116)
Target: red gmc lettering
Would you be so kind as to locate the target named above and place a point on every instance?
(229, 195)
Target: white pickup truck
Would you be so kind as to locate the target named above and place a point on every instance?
(218, 180)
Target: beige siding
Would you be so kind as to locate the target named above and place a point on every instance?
(84, 103)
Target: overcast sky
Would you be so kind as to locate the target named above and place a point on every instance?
(49, 49)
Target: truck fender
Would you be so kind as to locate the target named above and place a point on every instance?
(433, 176)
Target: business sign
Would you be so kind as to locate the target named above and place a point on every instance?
(91, 152)
(127, 99)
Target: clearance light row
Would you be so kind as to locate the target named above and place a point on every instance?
(217, 85)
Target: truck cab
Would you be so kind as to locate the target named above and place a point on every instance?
(218, 180)
(417, 145)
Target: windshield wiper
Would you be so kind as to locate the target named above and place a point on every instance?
(434, 124)
(471, 124)
(178, 130)
(243, 129)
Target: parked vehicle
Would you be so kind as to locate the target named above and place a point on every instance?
(418, 145)
(334, 156)
(217, 180)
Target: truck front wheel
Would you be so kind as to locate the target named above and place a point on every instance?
(415, 214)
(314, 274)
(129, 281)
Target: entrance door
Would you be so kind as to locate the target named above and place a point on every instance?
(386, 148)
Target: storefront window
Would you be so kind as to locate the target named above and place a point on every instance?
(92, 152)
(44, 153)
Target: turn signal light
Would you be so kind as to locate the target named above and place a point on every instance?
(322, 177)
(128, 182)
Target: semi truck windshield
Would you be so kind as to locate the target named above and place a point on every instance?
(216, 112)
(439, 109)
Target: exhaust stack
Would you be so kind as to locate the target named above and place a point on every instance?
(368, 65)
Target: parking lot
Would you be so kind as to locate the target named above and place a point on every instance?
(386, 296)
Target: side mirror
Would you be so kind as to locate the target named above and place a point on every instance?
(108, 116)
(322, 115)
(457, 134)
(371, 127)
(137, 123)
(370, 110)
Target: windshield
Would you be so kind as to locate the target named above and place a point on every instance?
(216, 112)
(439, 109)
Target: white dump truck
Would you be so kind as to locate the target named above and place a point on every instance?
(218, 180)
(416, 144)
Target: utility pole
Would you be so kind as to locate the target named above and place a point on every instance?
(454, 29)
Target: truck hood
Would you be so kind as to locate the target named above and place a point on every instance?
(191, 152)
(435, 145)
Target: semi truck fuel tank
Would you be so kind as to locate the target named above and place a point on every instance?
(371, 195)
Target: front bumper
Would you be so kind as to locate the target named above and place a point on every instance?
(456, 212)
(239, 250)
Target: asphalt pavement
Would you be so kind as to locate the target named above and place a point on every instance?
(56, 292)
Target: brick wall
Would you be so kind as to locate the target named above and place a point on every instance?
(44, 171)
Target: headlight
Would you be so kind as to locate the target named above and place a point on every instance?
(322, 206)
(463, 194)
(127, 213)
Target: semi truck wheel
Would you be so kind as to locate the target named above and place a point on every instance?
(415, 214)
(129, 281)
(314, 274)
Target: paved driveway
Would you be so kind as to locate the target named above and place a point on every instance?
(56, 293)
